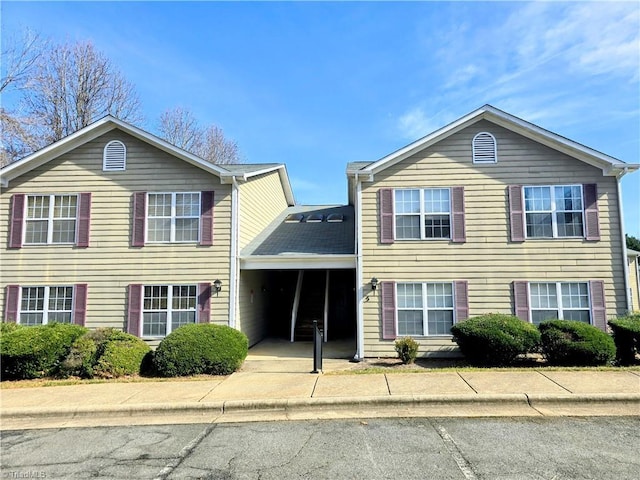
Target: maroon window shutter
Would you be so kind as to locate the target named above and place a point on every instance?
(462, 300)
(458, 232)
(591, 214)
(388, 294)
(134, 310)
(139, 219)
(385, 200)
(84, 220)
(521, 300)
(80, 304)
(17, 220)
(598, 305)
(204, 303)
(516, 213)
(206, 218)
(12, 303)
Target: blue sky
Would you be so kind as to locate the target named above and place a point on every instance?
(316, 85)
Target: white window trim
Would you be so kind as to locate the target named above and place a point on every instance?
(422, 215)
(554, 211)
(105, 167)
(169, 311)
(45, 303)
(50, 218)
(172, 234)
(426, 309)
(560, 306)
(495, 150)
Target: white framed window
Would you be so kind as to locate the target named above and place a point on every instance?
(173, 217)
(51, 219)
(425, 309)
(484, 148)
(46, 304)
(114, 156)
(559, 300)
(554, 211)
(422, 214)
(167, 307)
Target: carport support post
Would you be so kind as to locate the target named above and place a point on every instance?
(317, 348)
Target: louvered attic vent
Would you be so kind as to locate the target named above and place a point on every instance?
(115, 157)
(484, 148)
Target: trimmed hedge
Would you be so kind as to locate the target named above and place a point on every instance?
(626, 335)
(407, 349)
(568, 342)
(201, 349)
(104, 353)
(34, 352)
(495, 339)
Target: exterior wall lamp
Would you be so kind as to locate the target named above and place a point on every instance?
(217, 286)
(374, 284)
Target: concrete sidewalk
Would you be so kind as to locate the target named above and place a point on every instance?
(287, 392)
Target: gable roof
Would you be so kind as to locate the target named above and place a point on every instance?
(609, 165)
(241, 172)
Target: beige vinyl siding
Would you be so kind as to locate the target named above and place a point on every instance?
(252, 305)
(262, 198)
(488, 260)
(110, 264)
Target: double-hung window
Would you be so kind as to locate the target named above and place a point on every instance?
(173, 217)
(554, 211)
(51, 219)
(425, 309)
(167, 307)
(42, 305)
(422, 213)
(559, 300)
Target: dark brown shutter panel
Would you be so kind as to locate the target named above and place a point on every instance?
(516, 213)
(462, 300)
(388, 294)
(80, 304)
(458, 231)
(134, 310)
(11, 303)
(84, 220)
(17, 220)
(206, 218)
(204, 303)
(385, 209)
(521, 300)
(598, 305)
(139, 219)
(591, 214)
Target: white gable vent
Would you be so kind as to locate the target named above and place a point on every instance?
(484, 148)
(115, 156)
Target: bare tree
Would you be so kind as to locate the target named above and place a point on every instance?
(19, 57)
(179, 127)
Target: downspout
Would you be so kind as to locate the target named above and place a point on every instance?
(233, 270)
(359, 356)
(625, 266)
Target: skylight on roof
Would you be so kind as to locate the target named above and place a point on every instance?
(335, 218)
(315, 218)
(294, 218)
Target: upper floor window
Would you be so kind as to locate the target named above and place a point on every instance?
(173, 217)
(114, 156)
(423, 213)
(554, 211)
(51, 219)
(484, 148)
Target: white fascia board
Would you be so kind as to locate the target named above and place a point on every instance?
(297, 262)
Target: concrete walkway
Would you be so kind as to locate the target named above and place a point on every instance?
(283, 389)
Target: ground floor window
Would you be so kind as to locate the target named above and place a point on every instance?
(424, 309)
(559, 300)
(167, 307)
(42, 305)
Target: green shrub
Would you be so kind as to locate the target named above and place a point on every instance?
(407, 349)
(568, 342)
(34, 352)
(626, 335)
(105, 353)
(8, 327)
(495, 339)
(201, 348)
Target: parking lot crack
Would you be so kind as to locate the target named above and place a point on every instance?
(184, 453)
